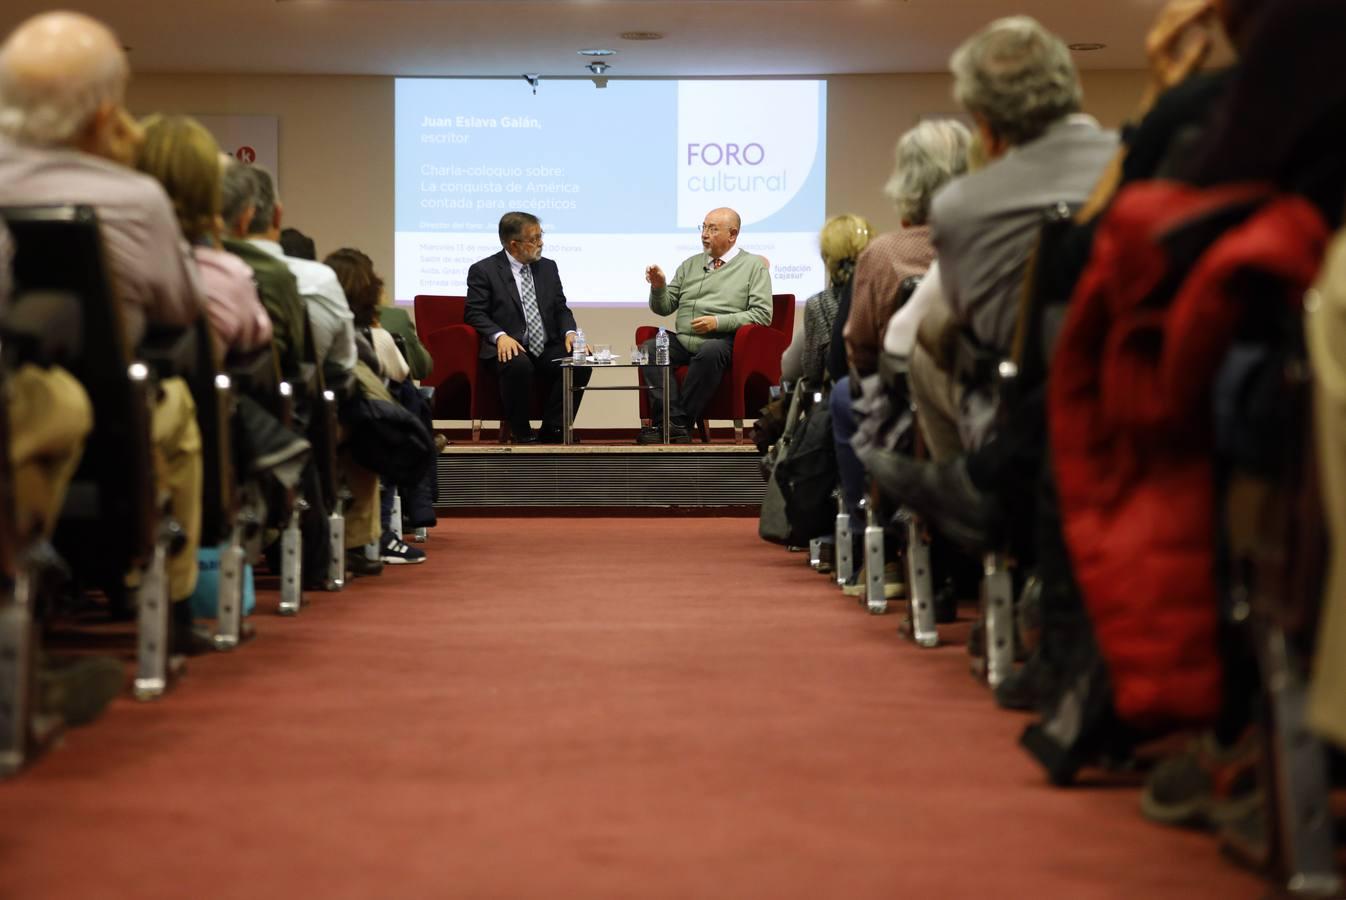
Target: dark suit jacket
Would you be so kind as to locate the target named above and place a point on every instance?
(493, 303)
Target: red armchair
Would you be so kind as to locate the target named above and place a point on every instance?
(755, 367)
(465, 388)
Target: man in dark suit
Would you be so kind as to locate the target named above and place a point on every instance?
(515, 301)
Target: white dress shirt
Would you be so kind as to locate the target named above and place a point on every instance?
(329, 315)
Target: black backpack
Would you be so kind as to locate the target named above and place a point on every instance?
(807, 477)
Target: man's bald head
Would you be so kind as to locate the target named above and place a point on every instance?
(62, 76)
(725, 218)
(719, 231)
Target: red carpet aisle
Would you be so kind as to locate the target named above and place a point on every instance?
(647, 708)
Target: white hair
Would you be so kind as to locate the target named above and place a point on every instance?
(927, 157)
(1016, 75)
(46, 107)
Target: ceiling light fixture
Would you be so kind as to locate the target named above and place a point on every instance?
(1086, 46)
(597, 53)
(598, 68)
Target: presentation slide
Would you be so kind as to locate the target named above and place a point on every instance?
(621, 177)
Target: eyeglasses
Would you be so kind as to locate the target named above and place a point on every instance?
(711, 230)
(536, 242)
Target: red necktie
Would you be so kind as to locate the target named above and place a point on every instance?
(716, 263)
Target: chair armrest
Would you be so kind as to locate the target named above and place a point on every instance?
(170, 351)
(454, 350)
(757, 350)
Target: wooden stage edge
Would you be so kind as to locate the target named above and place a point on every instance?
(510, 511)
(617, 437)
(595, 449)
(599, 479)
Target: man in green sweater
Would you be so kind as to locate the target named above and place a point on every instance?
(714, 293)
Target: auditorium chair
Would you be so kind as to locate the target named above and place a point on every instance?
(746, 384)
(464, 386)
(257, 375)
(324, 431)
(112, 522)
(921, 625)
(224, 523)
(24, 730)
(1277, 544)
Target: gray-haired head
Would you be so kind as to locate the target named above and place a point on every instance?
(1017, 77)
(927, 157)
(513, 224)
(263, 200)
(237, 187)
(57, 71)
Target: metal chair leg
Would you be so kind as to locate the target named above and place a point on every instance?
(998, 607)
(1303, 819)
(23, 731)
(922, 602)
(395, 524)
(292, 564)
(844, 543)
(229, 616)
(152, 632)
(336, 565)
(738, 431)
(875, 600)
(422, 535)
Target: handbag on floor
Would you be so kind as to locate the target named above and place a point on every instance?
(205, 600)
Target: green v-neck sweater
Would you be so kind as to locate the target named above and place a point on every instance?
(736, 294)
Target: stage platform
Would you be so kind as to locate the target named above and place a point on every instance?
(709, 478)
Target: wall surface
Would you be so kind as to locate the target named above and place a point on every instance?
(336, 162)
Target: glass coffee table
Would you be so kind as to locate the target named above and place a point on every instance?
(568, 390)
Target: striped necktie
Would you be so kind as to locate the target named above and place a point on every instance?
(534, 333)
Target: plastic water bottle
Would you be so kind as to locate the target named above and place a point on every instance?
(579, 349)
(661, 347)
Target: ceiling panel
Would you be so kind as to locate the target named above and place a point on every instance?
(509, 37)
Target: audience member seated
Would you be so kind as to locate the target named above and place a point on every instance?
(1018, 82)
(364, 289)
(328, 313)
(841, 241)
(713, 294)
(185, 159)
(397, 321)
(276, 285)
(66, 137)
(333, 329)
(297, 244)
(927, 157)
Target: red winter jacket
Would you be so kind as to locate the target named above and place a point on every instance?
(1130, 427)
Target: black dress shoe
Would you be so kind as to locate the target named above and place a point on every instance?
(942, 493)
(531, 439)
(547, 436)
(654, 434)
